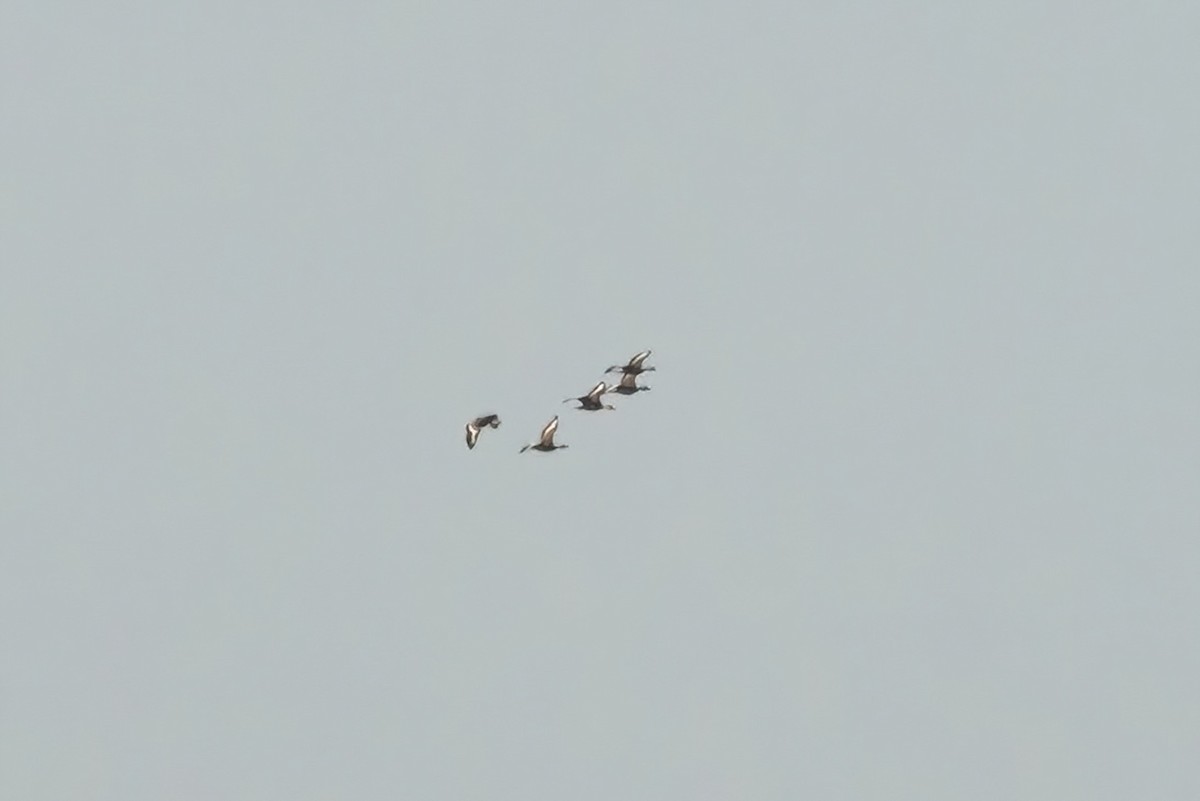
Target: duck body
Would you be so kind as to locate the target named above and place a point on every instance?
(478, 424)
(591, 401)
(545, 442)
(628, 385)
(635, 366)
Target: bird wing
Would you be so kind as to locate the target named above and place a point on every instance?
(629, 380)
(548, 432)
(472, 435)
(637, 360)
(597, 391)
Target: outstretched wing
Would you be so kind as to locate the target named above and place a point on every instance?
(548, 432)
(629, 380)
(637, 360)
(472, 435)
(597, 391)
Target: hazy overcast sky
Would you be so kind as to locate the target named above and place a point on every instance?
(912, 510)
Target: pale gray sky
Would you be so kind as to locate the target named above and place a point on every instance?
(910, 513)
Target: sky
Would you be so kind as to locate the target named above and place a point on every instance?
(910, 511)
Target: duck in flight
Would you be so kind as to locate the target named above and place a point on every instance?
(546, 442)
(591, 401)
(478, 424)
(628, 385)
(634, 367)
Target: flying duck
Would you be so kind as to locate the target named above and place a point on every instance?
(546, 442)
(478, 424)
(628, 385)
(591, 401)
(634, 367)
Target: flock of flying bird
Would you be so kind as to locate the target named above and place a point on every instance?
(589, 403)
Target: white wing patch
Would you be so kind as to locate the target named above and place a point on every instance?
(548, 431)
